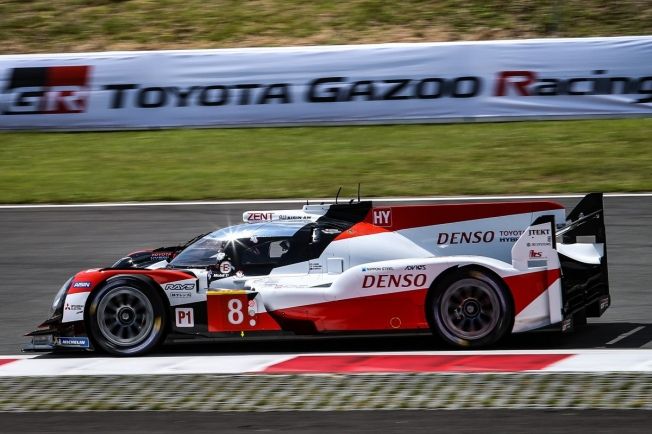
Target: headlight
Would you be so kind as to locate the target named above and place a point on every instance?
(58, 299)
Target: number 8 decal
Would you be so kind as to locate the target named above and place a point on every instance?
(235, 315)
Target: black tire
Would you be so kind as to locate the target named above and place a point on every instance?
(470, 309)
(126, 318)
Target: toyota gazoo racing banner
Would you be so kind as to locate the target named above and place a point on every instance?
(389, 83)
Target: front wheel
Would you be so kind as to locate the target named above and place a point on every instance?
(126, 318)
(470, 309)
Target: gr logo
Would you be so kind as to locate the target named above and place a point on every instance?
(46, 90)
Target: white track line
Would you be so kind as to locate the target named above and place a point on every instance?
(624, 335)
(296, 201)
(578, 361)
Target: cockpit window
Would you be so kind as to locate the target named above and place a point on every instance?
(242, 245)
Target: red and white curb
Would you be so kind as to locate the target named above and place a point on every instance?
(344, 363)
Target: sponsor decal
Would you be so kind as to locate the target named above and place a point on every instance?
(394, 281)
(81, 285)
(184, 317)
(211, 95)
(78, 307)
(239, 273)
(535, 254)
(159, 256)
(47, 90)
(382, 217)
(509, 236)
(365, 269)
(75, 342)
(314, 266)
(465, 237)
(533, 232)
(294, 217)
(416, 267)
(529, 83)
(259, 216)
(179, 286)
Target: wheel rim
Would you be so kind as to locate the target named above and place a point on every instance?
(470, 309)
(125, 316)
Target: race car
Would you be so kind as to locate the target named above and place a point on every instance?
(469, 273)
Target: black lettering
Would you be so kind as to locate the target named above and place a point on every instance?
(117, 100)
(392, 93)
(572, 89)
(245, 94)
(330, 94)
(182, 95)
(442, 238)
(214, 96)
(394, 281)
(158, 97)
(276, 91)
(431, 88)
(546, 87)
(362, 88)
(645, 87)
(622, 85)
(460, 90)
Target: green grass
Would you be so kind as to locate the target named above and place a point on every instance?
(89, 25)
(510, 158)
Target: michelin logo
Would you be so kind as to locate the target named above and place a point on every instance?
(74, 342)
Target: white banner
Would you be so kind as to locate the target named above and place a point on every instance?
(389, 83)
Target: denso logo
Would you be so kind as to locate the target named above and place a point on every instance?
(47, 90)
(465, 237)
(179, 287)
(394, 281)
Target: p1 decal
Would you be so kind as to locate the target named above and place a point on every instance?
(382, 217)
(47, 90)
(185, 317)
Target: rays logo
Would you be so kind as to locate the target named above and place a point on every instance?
(179, 287)
(47, 90)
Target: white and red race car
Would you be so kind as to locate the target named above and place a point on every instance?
(470, 273)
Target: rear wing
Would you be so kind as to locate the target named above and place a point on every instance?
(578, 249)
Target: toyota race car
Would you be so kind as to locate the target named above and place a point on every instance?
(469, 273)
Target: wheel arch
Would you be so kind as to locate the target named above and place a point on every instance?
(458, 269)
(136, 279)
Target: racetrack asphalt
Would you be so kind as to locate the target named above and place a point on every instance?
(401, 421)
(41, 247)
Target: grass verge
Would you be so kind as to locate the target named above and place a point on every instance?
(403, 160)
(38, 26)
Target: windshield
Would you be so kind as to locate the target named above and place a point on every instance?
(235, 248)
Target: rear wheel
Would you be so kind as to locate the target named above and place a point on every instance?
(126, 318)
(470, 309)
